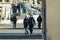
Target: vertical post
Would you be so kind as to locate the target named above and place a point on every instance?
(44, 19)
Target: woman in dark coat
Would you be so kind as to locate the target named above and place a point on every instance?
(39, 20)
(26, 22)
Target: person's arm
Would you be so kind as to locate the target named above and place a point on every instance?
(28, 21)
(41, 18)
(16, 18)
(11, 18)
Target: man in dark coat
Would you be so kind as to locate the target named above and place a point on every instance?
(39, 20)
(18, 7)
(31, 23)
(14, 21)
(26, 22)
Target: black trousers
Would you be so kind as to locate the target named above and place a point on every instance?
(39, 25)
(31, 29)
(14, 25)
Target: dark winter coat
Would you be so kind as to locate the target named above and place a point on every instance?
(26, 22)
(14, 19)
(18, 6)
(31, 22)
(39, 19)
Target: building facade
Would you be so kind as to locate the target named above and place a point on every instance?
(5, 6)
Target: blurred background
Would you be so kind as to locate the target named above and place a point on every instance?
(27, 7)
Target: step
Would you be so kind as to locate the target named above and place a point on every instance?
(17, 26)
(35, 31)
(21, 36)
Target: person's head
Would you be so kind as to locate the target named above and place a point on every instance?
(31, 15)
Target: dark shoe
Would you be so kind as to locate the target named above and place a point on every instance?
(39, 28)
(30, 34)
(27, 32)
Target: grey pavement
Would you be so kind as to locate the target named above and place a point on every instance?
(13, 34)
(20, 36)
(18, 25)
(9, 33)
(35, 31)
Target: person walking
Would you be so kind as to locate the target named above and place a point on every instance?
(14, 7)
(14, 20)
(39, 20)
(18, 8)
(26, 22)
(31, 24)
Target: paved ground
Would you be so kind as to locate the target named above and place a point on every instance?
(7, 32)
(10, 30)
(20, 34)
(11, 26)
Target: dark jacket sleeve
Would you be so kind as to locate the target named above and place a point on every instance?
(16, 18)
(33, 19)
